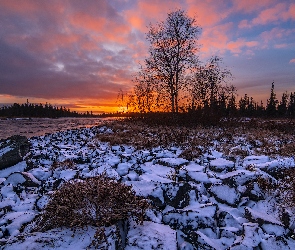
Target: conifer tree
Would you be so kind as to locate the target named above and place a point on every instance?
(271, 108)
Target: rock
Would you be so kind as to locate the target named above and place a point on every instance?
(225, 194)
(238, 177)
(176, 194)
(228, 220)
(206, 242)
(190, 220)
(260, 218)
(172, 162)
(255, 159)
(252, 235)
(220, 165)
(254, 192)
(274, 242)
(12, 150)
(23, 178)
(151, 235)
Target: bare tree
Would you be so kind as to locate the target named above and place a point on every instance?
(172, 54)
(208, 85)
(146, 97)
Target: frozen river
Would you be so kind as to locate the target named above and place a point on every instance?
(41, 126)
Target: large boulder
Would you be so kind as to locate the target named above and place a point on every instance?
(12, 150)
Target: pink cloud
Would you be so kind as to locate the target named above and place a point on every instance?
(208, 12)
(281, 46)
(271, 14)
(238, 45)
(281, 37)
(248, 6)
(214, 39)
(244, 24)
(292, 61)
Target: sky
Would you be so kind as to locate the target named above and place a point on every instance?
(79, 54)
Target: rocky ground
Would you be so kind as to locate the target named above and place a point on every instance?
(211, 196)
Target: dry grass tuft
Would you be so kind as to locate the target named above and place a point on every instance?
(67, 164)
(96, 201)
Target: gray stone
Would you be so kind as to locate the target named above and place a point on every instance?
(12, 150)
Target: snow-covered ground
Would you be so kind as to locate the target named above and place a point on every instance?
(212, 202)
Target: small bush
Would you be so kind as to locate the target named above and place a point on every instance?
(96, 201)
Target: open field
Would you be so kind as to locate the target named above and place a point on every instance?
(225, 187)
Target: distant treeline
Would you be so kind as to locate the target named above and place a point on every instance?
(216, 105)
(248, 107)
(39, 110)
(283, 107)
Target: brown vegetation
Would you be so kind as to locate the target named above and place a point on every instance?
(96, 201)
(233, 138)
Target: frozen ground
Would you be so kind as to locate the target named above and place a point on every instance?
(211, 202)
(40, 126)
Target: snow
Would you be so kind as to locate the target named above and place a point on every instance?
(221, 163)
(225, 193)
(14, 179)
(5, 150)
(193, 167)
(151, 235)
(173, 162)
(19, 167)
(205, 203)
(199, 177)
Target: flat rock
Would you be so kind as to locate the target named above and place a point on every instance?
(220, 165)
(225, 194)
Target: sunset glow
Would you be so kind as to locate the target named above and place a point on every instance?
(80, 54)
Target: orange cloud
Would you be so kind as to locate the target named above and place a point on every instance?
(291, 11)
(85, 21)
(135, 21)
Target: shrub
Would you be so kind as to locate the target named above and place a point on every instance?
(97, 201)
